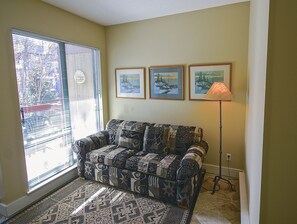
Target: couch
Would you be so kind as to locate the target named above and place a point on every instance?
(162, 161)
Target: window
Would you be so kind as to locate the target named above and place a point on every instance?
(59, 90)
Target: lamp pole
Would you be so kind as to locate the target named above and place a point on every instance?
(219, 177)
(221, 136)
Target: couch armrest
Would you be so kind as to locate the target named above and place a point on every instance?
(192, 161)
(84, 145)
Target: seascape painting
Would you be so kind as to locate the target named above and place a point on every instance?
(202, 76)
(166, 83)
(130, 83)
(204, 80)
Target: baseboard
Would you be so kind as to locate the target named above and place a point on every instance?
(244, 212)
(23, 202)
(215, 169)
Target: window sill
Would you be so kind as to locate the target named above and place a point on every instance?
(51, 179)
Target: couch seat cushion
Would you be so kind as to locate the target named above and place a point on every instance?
(110, 155)
(160, 165)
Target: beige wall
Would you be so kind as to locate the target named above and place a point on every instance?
(279, 180)
(38, 17)
(206, 36)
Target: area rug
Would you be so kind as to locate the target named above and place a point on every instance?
(84, 201)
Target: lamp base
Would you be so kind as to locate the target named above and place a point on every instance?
(216, 181)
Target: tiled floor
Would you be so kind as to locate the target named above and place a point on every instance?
(222, 207)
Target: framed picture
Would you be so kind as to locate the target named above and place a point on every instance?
(130, 83)
(201, 77)
(166, 82)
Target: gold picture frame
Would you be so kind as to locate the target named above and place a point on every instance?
(130, 83)
(202, 76)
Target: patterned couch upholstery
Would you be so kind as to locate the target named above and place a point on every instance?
(158, 160)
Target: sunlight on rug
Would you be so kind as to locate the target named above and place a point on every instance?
(84, 201)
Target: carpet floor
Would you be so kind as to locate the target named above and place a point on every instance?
(84, 201)
(81, 196)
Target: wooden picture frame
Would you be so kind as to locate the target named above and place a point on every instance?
(130, 83)
(166, 82)
(202, 76)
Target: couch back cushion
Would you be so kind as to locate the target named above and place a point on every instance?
(130, 134)
(130, 139)
(112, 128)
(155, 139)
(180, 138)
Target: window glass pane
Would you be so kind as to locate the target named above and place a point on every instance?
(47, 159)
(57, 85)
(45, 126)
(82, 86)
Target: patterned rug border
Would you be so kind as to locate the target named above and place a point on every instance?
(38, 203)
(38, 209)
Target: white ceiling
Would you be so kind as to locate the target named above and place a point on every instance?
(111, 12)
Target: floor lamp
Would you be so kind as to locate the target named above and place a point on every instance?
(219, 92)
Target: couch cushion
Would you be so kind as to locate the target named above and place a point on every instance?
(112, 128)
(155, 139)
(137, 127)
(160, 165)
(110, 155)
(182, 137)
(131, 139)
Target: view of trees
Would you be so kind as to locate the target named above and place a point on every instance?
(37, 68)
(48, 130)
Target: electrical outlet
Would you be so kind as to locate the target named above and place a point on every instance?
(228, 156)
